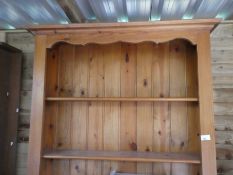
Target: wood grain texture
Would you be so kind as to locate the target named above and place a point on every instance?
(174, 23)
(123, 99)
(224, 152)
(222, 31)
(34, 160)
(25, 41)
(80, 109)
(222, 43)
(96, 110)
(102, 33)
(92, 74)
(206, 105)
(51, 110)
(178, 111)
(64, 117)
(123, 156)
(193, 143)
(223, 95)
(93, 65)
(111, 120)
(161, 115)
(221, 56)
(223, 123)
(108, 137)
(225, 167)
(144, 109)
(128, 110)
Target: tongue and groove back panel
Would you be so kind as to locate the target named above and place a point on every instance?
(121, 70)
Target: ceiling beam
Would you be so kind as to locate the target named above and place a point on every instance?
(71, 10)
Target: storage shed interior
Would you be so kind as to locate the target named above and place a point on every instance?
(118, 70)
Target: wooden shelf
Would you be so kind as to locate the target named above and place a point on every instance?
(122, 99)
(124, 156)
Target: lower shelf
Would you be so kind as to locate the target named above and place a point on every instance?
(124, 156)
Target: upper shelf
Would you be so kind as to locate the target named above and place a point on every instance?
(123, 99)
(132, 32)
(130, 156)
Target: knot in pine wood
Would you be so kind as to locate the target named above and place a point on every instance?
(145, 83)
(147, 149)
(133, 146)
(126, 58)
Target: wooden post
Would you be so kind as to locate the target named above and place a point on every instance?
(37, 112)
(208, 152)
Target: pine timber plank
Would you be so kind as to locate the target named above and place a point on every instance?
(193, 144)
(37, 111)
(124, 99)
(161, 117)
(208, 150)
(79, 109)
(51, 110)
(63, 129)
(95, 110)
(178, 111)
(111, 120)
(144, 109)
(128, 110)
(123, 156)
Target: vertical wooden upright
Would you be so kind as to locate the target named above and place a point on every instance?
(37, 110)
(208, 151)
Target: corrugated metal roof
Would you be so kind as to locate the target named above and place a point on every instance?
(22, 13)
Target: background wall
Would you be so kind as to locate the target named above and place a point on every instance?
(222, 66)
(222, 69)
